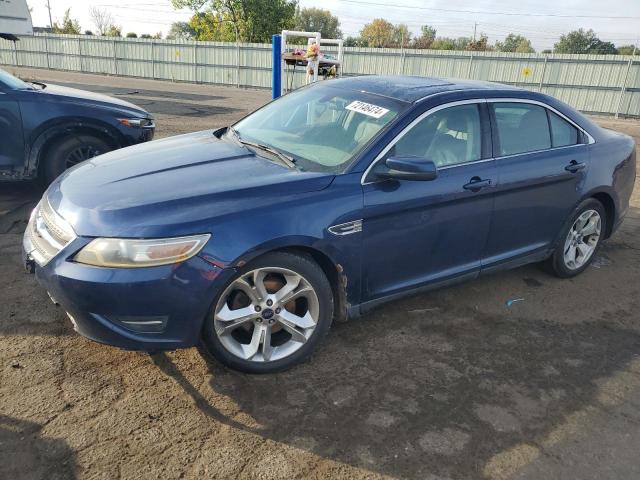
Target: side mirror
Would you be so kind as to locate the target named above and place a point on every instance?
(407, 168)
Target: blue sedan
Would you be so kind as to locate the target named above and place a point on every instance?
(319, 206)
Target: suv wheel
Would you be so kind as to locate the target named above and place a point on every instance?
(69, 152)
(272, 315)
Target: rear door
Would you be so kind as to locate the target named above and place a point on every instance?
(541, 160)
(12, 144)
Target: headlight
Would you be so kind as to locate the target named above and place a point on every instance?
(137, 122)
(135, 253)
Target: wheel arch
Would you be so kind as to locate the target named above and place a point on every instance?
(609, 204)
(47, 138)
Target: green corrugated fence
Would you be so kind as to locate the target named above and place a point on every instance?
(601, 84)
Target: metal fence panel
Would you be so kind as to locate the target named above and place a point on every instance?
(605, 84)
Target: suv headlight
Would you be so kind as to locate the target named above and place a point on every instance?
(136, 253)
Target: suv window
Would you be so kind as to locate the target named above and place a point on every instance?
(522, 127)
(562, 132)
(447, 137)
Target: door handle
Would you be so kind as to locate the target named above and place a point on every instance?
(574, 166)
(476, 184)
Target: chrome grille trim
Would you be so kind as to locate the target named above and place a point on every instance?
(47, 234)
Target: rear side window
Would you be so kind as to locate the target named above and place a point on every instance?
(522, 128)
(562, 132)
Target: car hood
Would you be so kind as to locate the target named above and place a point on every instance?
(84, 96)
(175, 186)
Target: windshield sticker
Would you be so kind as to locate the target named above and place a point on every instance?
(367, 108)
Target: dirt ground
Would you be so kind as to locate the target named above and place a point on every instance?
(453, 384)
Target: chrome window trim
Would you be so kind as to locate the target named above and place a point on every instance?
(590, 139)
(417, 120)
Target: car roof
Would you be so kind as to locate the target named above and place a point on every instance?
(413, 88)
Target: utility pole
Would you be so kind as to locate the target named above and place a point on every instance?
(475, 28)
(50, 19)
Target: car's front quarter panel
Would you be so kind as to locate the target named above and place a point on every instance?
(300, 221)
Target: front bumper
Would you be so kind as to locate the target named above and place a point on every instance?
(154, 308)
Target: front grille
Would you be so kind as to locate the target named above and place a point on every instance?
(46, 234)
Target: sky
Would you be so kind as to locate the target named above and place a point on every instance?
(542, 21)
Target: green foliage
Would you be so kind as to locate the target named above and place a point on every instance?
(132, 35)
(426, 38)
(317, 20)
(628, 50)
(583, 41)
(114, 31)
(88, 32)
(515, 43)
(256, 20)
(69, 25)
(181, 31)
(145, 35)
(446, 43)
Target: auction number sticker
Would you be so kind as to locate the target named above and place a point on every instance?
(367, 109)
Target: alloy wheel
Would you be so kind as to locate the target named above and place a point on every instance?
(582, 239)
(80, 154)
(266, 314)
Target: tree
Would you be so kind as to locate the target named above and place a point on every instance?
(479, 45)
(181, 31)
(102, 19)
(88, 32)
(446, 43)
(132, 35)
(378, 33)
(69, 25)
(256, 20)
(628, 50)
(355, 42)
(317, 20)
(426, 38)
(146, 35)
(401, 35)
(515, 43)
(581, 41)
(114, 31)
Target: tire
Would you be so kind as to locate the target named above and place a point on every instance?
(286, 325)
(69, 151)
(558, 263)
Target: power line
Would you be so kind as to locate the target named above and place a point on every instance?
(485, 12)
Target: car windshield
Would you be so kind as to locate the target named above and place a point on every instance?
(13, 82)
(322, 127)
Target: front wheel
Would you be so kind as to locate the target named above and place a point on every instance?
(580, 240)
(68, 152)
(272, 315)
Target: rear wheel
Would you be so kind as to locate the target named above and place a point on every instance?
(70, 151)
(272, 315)
(580, 240)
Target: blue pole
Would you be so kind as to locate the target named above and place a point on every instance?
(276, 70)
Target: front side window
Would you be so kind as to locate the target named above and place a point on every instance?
(323, 128)
(12, 82)
(522, 127)
(447, 137)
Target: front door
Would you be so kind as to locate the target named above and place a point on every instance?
(420, 232)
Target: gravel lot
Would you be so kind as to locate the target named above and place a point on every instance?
(448, 385)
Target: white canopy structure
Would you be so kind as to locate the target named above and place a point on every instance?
(15, 19)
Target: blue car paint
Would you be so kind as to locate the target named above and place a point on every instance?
(416, 234)
(32, 118)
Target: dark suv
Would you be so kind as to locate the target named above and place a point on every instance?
(46, 129)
